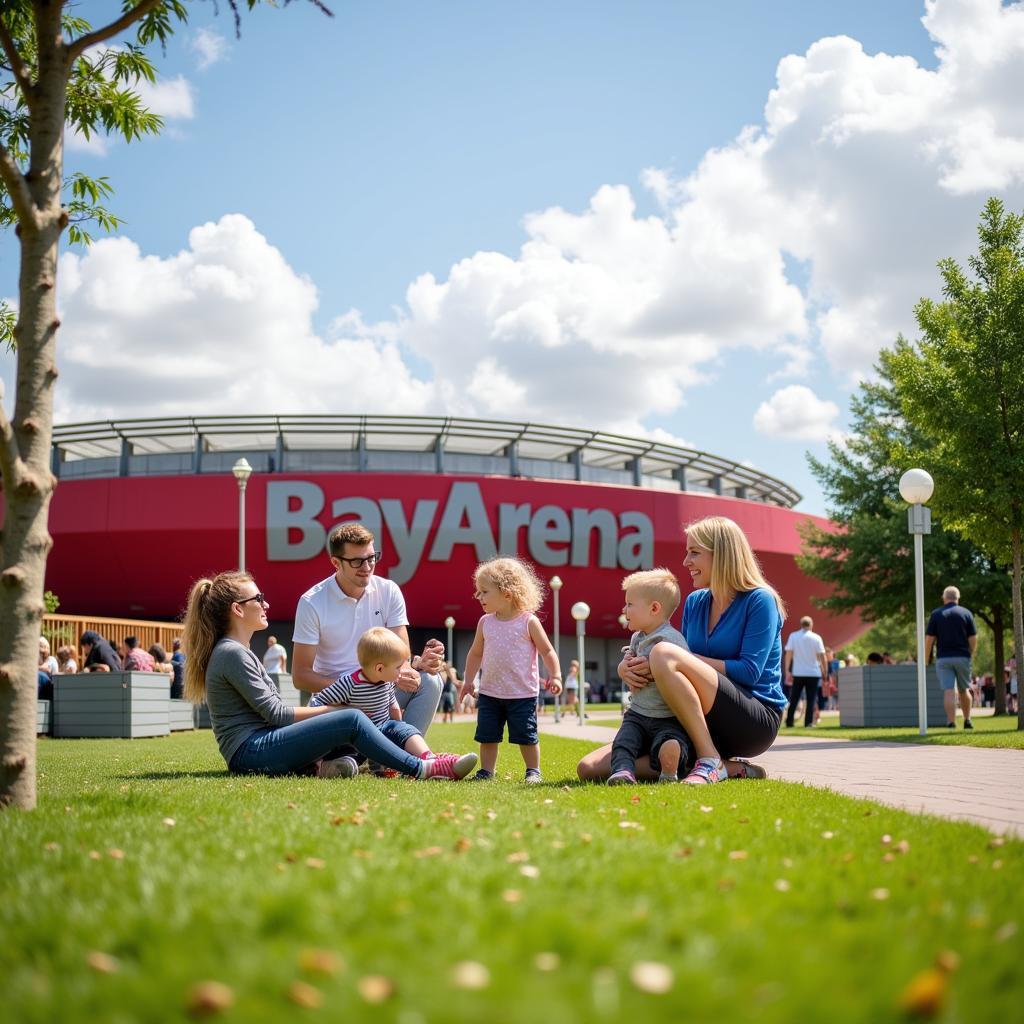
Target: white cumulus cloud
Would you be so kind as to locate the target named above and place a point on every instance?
(209, 47)
(797, 413)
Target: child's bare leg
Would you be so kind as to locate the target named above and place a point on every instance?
(531, 754)
(669, 757)
(488, 756)
(417, 746)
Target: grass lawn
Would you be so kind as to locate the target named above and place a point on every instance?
(147, 870)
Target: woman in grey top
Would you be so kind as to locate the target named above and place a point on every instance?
(258, 733)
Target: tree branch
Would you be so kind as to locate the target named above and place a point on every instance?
(18, 68)
(17, 188)
(76, 48)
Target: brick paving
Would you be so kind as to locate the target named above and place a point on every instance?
(983, 785)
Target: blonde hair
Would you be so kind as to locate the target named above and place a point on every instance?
(734, 568)
(656, 585)
(207, 618)
(513, 579)
(380, 645)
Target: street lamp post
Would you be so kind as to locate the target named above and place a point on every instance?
(580, 611)
(242, 471)
(916, 488)
(556, 585)
(449, 624)
(624, 692)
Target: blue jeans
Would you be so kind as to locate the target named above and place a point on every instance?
(292, 748)
(419, 708)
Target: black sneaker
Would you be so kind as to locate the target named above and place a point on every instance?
(968, 724)
(483, 775)
(952, 725)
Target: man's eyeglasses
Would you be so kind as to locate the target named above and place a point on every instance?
(358, 563)
(262, 598)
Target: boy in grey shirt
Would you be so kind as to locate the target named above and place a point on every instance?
(650, 726)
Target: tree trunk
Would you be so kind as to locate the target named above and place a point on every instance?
(1018, 622)
(998, 669)
(28, 482)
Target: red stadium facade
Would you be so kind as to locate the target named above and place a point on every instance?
(131, 533)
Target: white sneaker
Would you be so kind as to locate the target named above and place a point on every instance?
(339, 768)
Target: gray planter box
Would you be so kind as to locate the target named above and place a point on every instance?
(290, 694)
(43, 717)
(201, 717)
(181, 715)
(878, 695)
(126, 705)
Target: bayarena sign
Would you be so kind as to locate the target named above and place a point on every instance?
(144, 507)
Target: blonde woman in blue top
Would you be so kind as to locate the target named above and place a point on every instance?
(727, 689)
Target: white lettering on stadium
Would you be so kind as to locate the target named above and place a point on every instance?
(554, 535)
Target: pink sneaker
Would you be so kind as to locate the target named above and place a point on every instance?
(449, 766)
(706, 770)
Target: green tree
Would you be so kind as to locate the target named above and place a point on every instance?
(54, 71)
(961, 385)
(868, 560)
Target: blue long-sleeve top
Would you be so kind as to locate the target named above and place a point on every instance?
(748, 638)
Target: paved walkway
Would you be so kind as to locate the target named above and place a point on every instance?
(978, 784)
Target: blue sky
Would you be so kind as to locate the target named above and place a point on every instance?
(726, 210)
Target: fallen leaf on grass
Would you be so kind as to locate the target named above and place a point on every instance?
(169, 822)
(375, 988)
(738, 855)
(706, 810)
(291, 805)
(725, 884)
(115, 854)
(886, 839)
(315, 863)
(947, 960)
(428, 851)
(996, 842)
(586, 837)
(491, 815)
(518, 857)
(880, 894)
(321, 961)
(470, 974)
(365, 854)
(650, 976)
(781, 885)
(903, 846)
(95, 855)
(630, 824)
(462, 844)
(635, 799)
(306, 996)
(547, 961)
(925, 993)
(530, 871)
(1007, 932)
(686, 851)
(996, 865)
(102, 963)
(827, 835)
(512, 896)
(52, 846)
(207, 998)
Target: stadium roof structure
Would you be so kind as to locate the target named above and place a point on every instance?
(399, 444)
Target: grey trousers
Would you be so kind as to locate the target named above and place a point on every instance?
(418, 708)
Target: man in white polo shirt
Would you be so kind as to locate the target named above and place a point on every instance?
(333, 615)
(805, 668)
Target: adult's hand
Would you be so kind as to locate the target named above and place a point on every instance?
(408, 679)
(635, 672)
(432, 657)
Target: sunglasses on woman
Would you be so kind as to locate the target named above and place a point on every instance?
(261, 597)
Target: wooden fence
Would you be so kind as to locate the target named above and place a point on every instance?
(63, 630)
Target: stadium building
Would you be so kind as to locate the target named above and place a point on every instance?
(144, 507)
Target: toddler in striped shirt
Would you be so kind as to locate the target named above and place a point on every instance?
(371, 689)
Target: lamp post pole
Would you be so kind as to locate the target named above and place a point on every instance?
(450, 625)
(580, 611)
(556, 585)
(624, 692)
(916, 488)
(242, 471)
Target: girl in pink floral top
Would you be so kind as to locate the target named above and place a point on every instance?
(509, 637)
